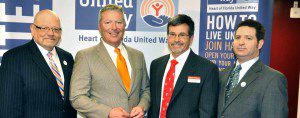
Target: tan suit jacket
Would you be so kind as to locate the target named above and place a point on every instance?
(96, 86)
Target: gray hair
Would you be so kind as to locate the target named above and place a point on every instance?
(110, 7)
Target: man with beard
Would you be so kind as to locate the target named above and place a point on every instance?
(183, 84)
(249, 88)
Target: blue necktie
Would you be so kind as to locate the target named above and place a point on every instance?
(233, 81)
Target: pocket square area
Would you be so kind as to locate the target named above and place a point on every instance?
(194, 79)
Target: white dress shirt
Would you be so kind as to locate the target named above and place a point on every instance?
(181, 59)
(113, 55)
(245, 67)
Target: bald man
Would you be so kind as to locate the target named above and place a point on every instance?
(35, 76)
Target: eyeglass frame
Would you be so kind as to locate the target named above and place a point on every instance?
(47, 29)
(180, 35)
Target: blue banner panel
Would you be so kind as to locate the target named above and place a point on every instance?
(86, 13)
(219, 19)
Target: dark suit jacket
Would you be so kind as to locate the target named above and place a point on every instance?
(263, 94)
(28, 88)
(189, 100)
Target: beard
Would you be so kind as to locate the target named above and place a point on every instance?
(176, 50)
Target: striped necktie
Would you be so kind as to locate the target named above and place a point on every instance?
(123, 70)
(56, 73)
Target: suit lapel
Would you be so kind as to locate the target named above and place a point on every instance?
(106, 60)
(182, 78)
(160, 75)
(251, 75)
(62, 60)
(39, 60)
(132, 60)
(224, 80)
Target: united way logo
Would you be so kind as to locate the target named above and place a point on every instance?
(15, 19)
(156, 13)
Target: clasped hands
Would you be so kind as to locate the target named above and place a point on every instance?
(119, 112)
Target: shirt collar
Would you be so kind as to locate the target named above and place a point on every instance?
(44, 51)
(111, 48)
(246, 65)
(182, 57)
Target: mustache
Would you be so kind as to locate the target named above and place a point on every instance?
(177, 43)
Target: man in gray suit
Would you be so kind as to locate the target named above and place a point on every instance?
(251, 89)
(110, 79)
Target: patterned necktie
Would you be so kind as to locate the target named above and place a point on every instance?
(168, 89)
(233, 81)
(56, 73)
(123, 70)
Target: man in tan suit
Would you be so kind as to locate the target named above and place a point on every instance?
(99, 86)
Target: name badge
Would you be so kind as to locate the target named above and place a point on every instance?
(194, 79)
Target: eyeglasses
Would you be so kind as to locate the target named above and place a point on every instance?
(44, 30)
(181, 35)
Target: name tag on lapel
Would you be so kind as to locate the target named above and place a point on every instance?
(194, 79)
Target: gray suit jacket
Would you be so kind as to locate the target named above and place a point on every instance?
(263, 96)
(96, 86)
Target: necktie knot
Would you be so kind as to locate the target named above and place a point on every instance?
(117, 50)
(174, 62)
(49, 54)
(237, 69)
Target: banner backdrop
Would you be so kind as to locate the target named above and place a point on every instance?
(146, 24)
(218, 22)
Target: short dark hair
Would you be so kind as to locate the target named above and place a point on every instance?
(182, 19)
(259, 28)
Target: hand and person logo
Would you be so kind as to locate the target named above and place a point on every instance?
(156, 13)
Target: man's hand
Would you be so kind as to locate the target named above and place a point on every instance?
(118, 112)
(137, 112)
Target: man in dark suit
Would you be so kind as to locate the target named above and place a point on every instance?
(35, 77)
(183, 84)
(251, 89)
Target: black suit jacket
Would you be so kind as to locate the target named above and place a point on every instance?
(28, 88)
(189, 100)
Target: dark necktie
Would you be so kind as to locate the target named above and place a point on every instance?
(233, 81)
